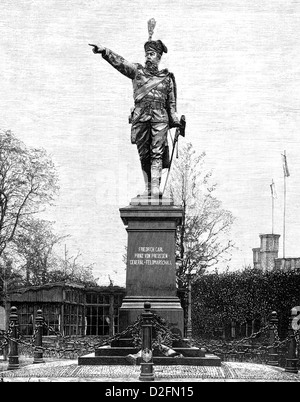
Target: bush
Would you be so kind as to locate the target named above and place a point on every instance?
(221, 298)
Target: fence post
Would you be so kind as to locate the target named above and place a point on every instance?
(291, 360)
(273, 355)
(38, 351)
(13, 356)
(147, 373)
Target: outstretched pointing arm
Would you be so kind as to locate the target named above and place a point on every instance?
(118, 62)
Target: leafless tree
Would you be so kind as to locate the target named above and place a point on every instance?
(28, 182)
(202, 239)
(34, 246)
(69, 268)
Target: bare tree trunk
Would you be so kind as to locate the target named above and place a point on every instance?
(7, 312)
(27, 274)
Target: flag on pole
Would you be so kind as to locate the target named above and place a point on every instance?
(285, 166)
(273, 191)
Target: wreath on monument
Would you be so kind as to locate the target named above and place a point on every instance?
(161, 333)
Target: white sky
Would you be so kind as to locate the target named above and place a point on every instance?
(237, 70)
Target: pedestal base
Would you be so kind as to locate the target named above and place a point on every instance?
(167, 307)
(144, 200)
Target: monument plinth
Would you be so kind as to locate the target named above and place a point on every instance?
(151, 271)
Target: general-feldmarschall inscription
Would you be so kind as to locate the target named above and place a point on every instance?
(150, 256)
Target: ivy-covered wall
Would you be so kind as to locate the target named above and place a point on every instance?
(219, 299)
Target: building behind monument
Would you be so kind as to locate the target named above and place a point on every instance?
(69, 308)
(266, 257)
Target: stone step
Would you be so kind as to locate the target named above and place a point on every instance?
(127, 342)
(208, 360)
(122, 342)
(124, 351)
(190, 352)
(92, 360)
(115, 351)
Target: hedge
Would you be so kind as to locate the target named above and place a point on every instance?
(221, 298)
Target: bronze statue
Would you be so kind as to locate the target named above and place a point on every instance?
(154, 93)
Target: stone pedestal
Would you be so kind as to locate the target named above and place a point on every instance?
(150, 277)
(151, 271)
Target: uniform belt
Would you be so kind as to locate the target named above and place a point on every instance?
(152, 104)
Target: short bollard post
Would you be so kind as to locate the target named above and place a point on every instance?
(273, 355)
(147, 373)
(13, 356)
(291, 360)
(38, 350)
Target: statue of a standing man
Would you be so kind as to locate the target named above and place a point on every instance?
(154, 93)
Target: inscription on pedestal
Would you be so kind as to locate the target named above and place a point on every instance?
(151, 263)
(151, 256)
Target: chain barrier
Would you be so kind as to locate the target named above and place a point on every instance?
(79, 346)
(35, 332)
(239, 349)
(4, 343)
(66, 345)
(51, 330)
(225, 349)
(70, 346)
(233, 343)
(60, 351)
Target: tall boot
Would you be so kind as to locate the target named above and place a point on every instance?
(147, 180)
(156, 169)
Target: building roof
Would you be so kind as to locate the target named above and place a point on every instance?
(48, 286)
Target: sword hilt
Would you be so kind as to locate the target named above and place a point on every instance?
(181, 129)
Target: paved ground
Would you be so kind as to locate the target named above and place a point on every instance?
(70, 371)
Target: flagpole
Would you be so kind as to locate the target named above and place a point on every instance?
(284, 210)
(273, 196)
(285, 174)
(272, 215)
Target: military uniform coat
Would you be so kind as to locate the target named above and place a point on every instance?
(154, 107)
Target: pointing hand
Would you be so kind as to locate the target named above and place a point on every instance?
(97, 48)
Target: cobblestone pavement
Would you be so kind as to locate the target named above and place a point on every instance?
(69, 370)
